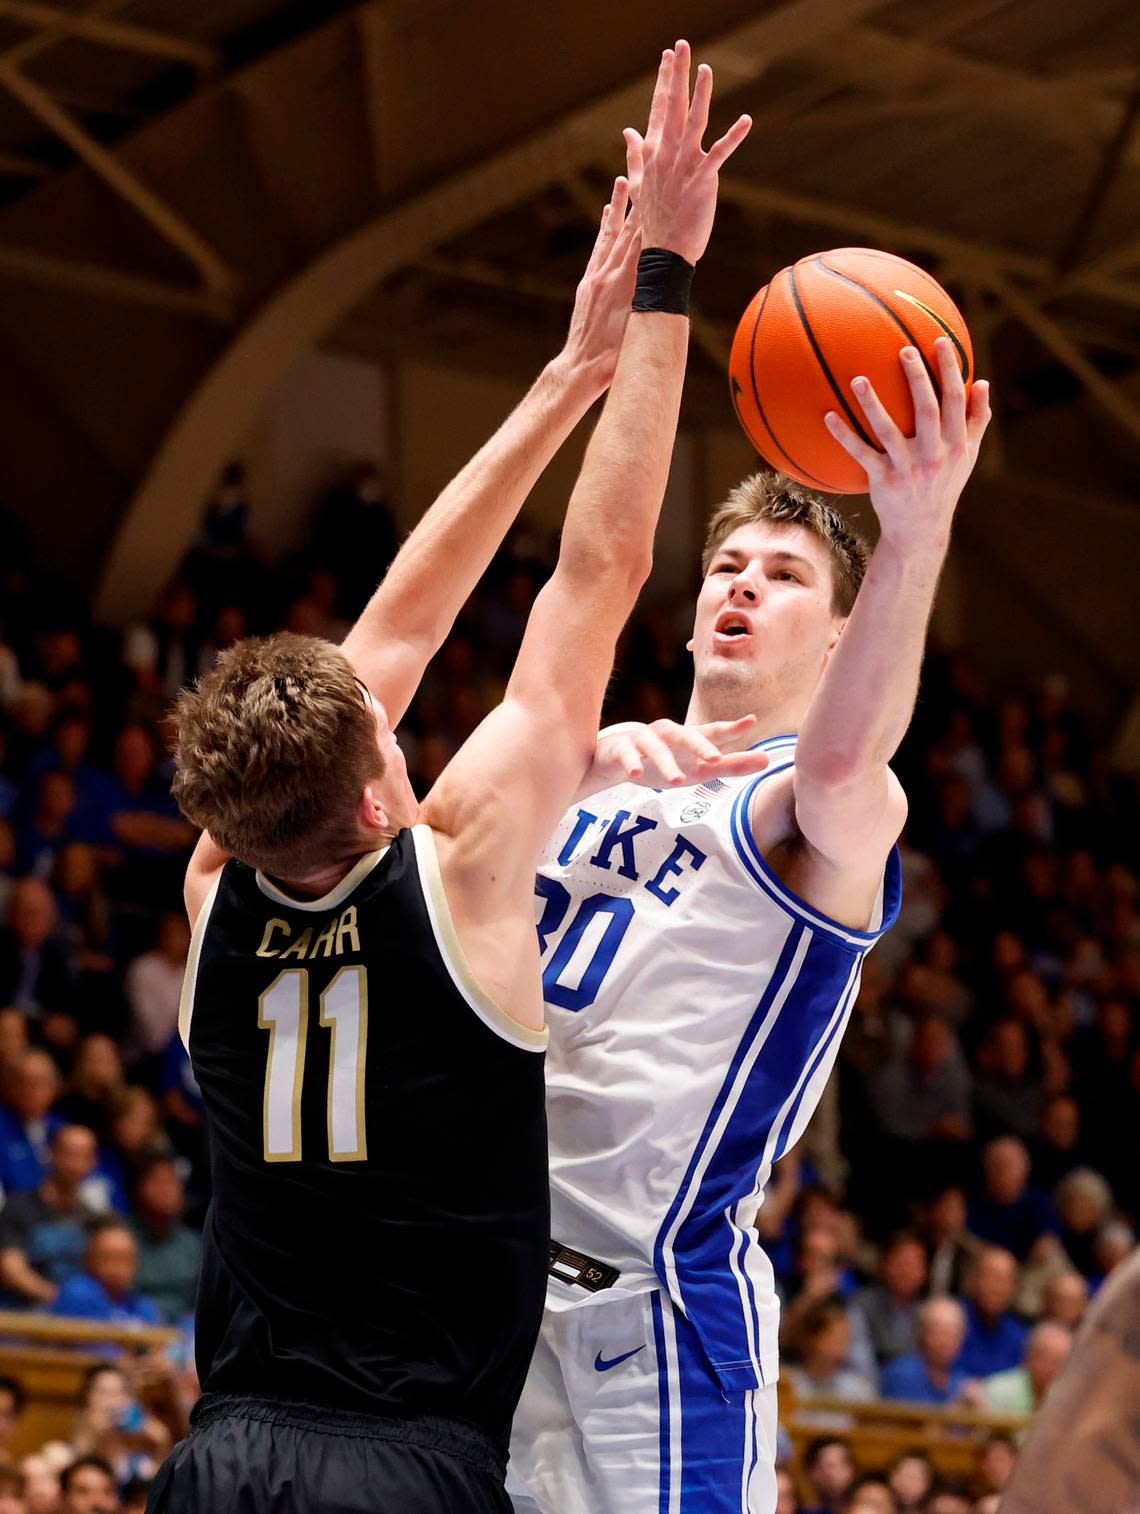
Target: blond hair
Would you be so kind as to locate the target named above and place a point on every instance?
(774, 497)
(274, 748)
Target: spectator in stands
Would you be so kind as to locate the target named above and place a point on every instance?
(1020, 1389)
(12, 1492)
(995, 1464)
(1065, 1299)
(1084, 1203)
(1114, 1241)
(870, 1493)
(87, 1486)
(910, 1475)
(824, 1340)
(787, 1500)
(930, 1375)
(1008, 1212)
(925, 1095)
(43, 1232)
(1007, 1095)
(170, 1253)
(818, 1276)
(85, 917)
(951, 1247)
(93, 1084)
(154, 987)
(995, 1337)
(135, 1133)
(163, 654)
(41, 1484)
(948, 1497)
(27, 1123)
(105, 1288)
(50, 825)
(143, 819)
(887, 1308)
(113, 1425)
(1057, 1147)
(35, 971)
(830, 1471)
(12, 1402)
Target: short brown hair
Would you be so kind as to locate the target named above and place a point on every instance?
(772, 496)
(275, 745)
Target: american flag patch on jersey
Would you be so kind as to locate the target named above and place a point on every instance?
(713, 786)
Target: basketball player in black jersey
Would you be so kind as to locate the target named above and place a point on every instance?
(362, 1002)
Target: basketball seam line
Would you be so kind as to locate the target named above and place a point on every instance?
(822, 361)
(894, 315)
(760, 408)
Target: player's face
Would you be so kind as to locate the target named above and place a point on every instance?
(764, 623)
(393, 790)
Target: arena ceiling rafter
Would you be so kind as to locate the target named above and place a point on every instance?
(183, 175)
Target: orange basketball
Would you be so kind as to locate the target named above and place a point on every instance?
(815, 327)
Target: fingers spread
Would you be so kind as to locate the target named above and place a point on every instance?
(979, 414)
(723, 149)
(719, 731)
(634, 156)
(953, 392)
(628, 756)
(741, 764)
(698, 121)
(879, 418)
(677, 108)
(661, 758)
(659, 105)
(853, 445)
(928, 418)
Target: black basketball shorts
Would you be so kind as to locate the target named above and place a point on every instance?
(262, 1456)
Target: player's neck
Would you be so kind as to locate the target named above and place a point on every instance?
(771, 720)
(316, 884)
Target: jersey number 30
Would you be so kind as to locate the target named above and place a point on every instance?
(283, 1010)
(572, 978)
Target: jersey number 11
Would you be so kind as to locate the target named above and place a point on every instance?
(283, 1010)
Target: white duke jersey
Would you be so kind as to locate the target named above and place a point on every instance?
(696, 1008)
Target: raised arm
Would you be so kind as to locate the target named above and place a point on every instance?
(410, 615)
(848, 805)
(499, 798)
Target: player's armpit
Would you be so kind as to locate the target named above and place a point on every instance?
(828, 846)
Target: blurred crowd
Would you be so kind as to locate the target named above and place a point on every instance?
(967, 1185)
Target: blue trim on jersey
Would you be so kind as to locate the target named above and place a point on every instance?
(708, 1244)
(757, 868)
(759, 1018)
(838, 1025)
(663, 1402)
(755, 1458)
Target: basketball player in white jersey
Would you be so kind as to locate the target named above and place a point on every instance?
(702, 949)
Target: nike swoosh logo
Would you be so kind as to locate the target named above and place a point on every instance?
(601, 1365)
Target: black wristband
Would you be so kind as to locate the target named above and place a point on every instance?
(664, 280)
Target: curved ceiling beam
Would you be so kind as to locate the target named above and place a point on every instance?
(221, 412)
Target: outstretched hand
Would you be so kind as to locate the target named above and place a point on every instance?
(673, 180)
(668, 755)
(916, 481)
(601, 303)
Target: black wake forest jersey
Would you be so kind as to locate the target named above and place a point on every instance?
(378, 1235)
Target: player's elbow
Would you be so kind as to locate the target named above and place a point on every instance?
(611, 566)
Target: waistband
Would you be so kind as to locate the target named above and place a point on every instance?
(428, 1432)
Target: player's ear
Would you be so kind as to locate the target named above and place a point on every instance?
(833, 642)
(689, 645)
(370, 810)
